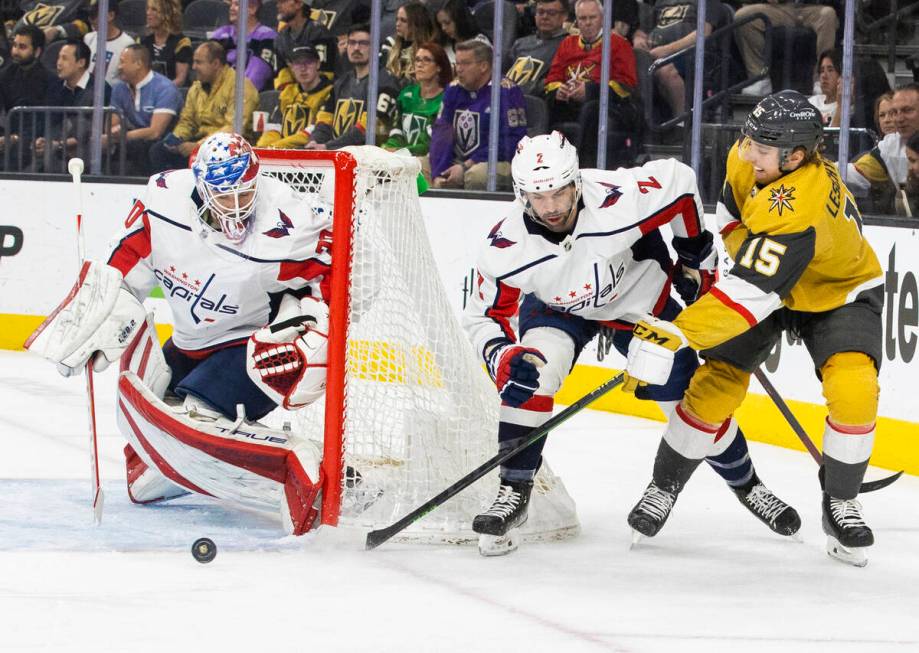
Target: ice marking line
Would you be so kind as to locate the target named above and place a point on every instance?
(537, 619)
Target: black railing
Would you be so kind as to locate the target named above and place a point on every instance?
(43, 139)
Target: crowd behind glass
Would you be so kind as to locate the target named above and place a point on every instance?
(170, 82)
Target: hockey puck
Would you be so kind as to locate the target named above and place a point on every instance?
(204, 550)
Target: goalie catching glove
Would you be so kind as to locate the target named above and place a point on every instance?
(652, 349)
(96, 321)
(287, 358)
(515, 371)
(696, 268)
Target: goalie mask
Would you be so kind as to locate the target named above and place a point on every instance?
(543, 164)
(226, 175)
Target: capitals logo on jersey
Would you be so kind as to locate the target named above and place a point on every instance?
(179, 284)
(348, 113)
(283, 228)
(612, 195)
(525, 70)
(466, 129)
(497, 240)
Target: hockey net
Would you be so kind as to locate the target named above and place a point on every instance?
(408, 408)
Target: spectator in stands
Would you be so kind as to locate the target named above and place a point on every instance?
(299, 102)
(260, 57)
(116, 41)
(908, 200)
(457, 24)
(170, 49)
(62, 19)
(24, 83)
(573, 87)
(751, 37)
(209, 108)
(530, 56)
(413, 25)
(343, 118)
(300, 29)
(885, 115)
(675, 29)
(829, 70)
(880, 173)
(149, 102)
(418, 104)
(460, 136)
(74, 88)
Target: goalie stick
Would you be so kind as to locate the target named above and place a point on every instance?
(75, 168)
(377, 537)
(868, 486)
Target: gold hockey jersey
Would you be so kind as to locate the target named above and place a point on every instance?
(795, 242)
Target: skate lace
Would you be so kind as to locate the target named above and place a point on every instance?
(505, 503)
(847, 513)
(765, 503)
(656, 502)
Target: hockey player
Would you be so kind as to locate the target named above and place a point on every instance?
(581, 252)
(233, 250)
(801, 264)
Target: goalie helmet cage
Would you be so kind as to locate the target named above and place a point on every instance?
(408, 408)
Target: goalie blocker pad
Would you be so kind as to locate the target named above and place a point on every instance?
(253, 466)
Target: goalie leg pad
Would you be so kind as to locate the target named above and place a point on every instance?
(248, 464)
(98, 319)
(145, 483)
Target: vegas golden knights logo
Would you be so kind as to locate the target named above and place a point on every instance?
(295, 119)
(525, 70)
(347, 114)
(324, 17)
(43, 15)
(673, 14)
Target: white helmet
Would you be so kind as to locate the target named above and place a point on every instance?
(224, 167)
(544, 163)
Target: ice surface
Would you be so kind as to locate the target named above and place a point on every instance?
(714, 580)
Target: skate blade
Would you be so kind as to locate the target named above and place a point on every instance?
(636, 538)
(499, 545)
(849, 555)
(796, 537)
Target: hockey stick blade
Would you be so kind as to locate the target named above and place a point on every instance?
(292, 322)
(869, 486)
(377, 537)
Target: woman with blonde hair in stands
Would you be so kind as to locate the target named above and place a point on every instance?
(414, 24)
(170, 50)
(885, 114)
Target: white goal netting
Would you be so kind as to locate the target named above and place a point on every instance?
(418, 410)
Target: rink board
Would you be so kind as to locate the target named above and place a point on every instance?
(38, 263)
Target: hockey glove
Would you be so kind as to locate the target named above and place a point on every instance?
(287, 359)
(515, 371)
(97, 321)
(652, 349)
(696, 269)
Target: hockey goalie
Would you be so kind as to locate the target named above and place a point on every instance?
(243, 261)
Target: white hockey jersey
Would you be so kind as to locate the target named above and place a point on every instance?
(220, 292)
(613, 267)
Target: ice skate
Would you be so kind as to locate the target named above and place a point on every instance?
(847, 533)
(780, 517)
(498, 527)
(651, 512)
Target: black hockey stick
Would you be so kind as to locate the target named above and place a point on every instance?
(868, 486)
(377, 537)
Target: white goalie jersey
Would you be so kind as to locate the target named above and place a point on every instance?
(613, 267)
(220, 292)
